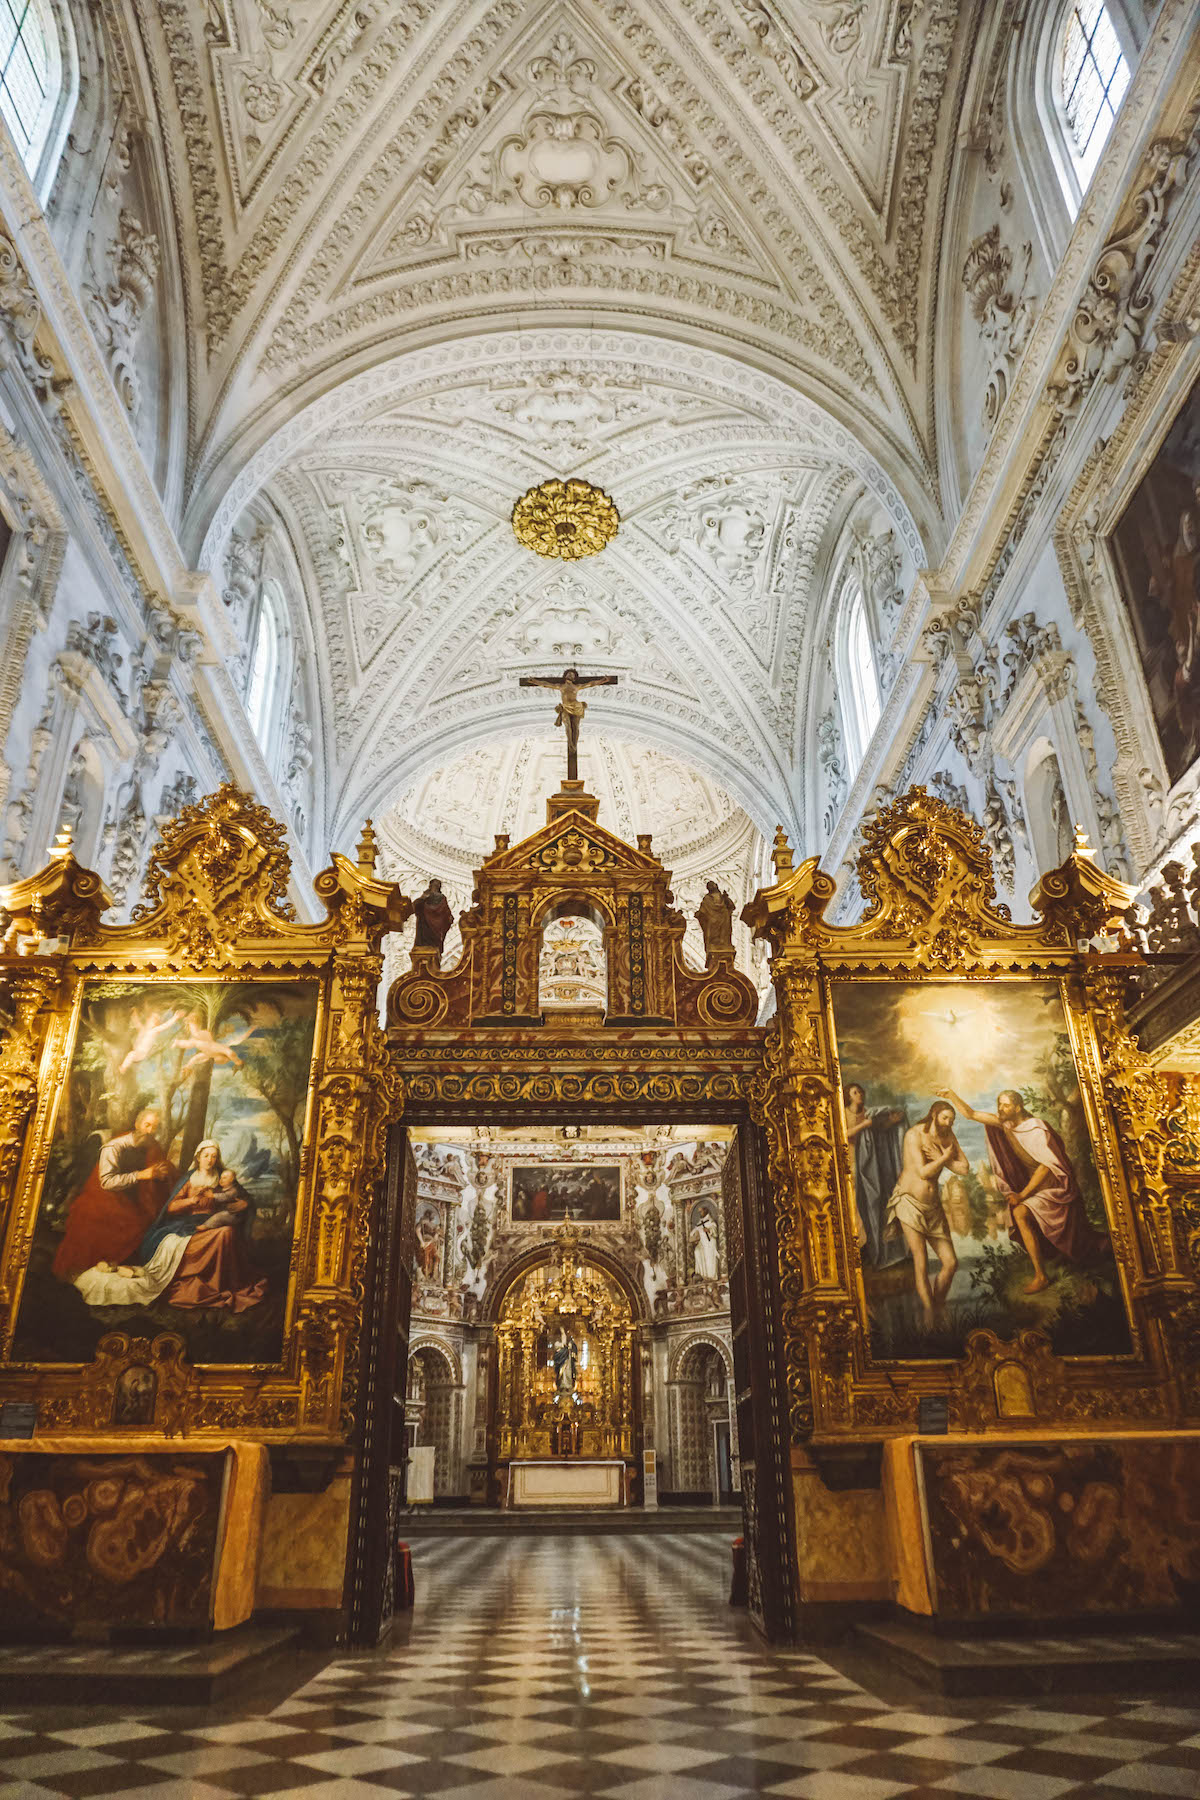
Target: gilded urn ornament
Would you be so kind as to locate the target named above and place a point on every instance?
(568, 519)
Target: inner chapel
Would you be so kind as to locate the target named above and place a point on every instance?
(600, 898)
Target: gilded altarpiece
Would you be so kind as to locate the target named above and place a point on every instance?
(994, 1058)
(193, 1111)
(986, 1197)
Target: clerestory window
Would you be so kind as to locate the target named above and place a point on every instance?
(1093, 76)
(30, 75)
(862, 681)
(263, 671)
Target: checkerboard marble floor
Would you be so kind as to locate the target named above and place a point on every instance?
(541, 1667)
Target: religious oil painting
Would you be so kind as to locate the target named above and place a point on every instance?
(977, 1203)
(586, 1191)
(169, 1200)
(1156, 546)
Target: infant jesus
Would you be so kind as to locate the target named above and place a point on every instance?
(234, 1202)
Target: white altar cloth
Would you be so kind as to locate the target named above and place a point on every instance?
(569, 1481)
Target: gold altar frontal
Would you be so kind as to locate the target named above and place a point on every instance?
(566, 1386)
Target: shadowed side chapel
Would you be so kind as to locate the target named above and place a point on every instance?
(600, 898)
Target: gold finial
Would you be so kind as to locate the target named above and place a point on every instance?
(1082, 847)
(781, 853)
(368, 847)
(63, 843)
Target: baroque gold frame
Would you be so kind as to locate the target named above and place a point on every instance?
(215, 909)
(925, 872)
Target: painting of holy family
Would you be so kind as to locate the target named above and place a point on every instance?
(169, 1200)
(976, 1199)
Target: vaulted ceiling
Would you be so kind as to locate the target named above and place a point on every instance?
(443, 248)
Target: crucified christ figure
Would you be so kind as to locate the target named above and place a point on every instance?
(570, 709)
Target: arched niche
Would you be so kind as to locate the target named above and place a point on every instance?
(573, 959)
(1046, 806)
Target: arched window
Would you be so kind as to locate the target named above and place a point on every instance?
(264, 666)
(31, 75)
(1093, 76)
(860, 699)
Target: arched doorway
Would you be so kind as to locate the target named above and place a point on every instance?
(703, 1428)
(431, 1411)
(676, 1046)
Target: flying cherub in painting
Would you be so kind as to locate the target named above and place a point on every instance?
(221, 1052)
(148, 1032)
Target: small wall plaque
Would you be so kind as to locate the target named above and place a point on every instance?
(933, 1415)
(18, 1418)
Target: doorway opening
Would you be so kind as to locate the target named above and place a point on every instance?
(570, 1305)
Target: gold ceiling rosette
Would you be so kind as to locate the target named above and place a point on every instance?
(568, 519)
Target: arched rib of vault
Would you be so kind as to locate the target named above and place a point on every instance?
(766, 806)
(290, 422)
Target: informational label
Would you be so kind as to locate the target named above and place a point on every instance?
(649, 1479)
(18, 1418)
(933, 1415)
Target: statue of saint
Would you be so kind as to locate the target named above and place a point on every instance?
(704, 1248)
(431, 910)
(570, 709)
(565, 1356)
(714, 915)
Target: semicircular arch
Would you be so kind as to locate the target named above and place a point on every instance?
(538, 1256)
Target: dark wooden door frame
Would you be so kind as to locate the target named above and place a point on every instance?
(756, 1318)
(387, 1303)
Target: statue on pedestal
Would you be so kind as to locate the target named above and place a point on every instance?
(431, 910)
(714, 915)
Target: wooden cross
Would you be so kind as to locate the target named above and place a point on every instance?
(570, 709)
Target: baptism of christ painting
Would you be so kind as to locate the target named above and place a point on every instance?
(976, 1201)
(169, 1201)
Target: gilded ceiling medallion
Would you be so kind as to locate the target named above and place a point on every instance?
(568, 519)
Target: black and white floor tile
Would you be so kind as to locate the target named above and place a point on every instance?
(538, 1668)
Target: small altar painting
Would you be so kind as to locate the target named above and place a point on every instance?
(586, 1191)
(108, 1540)
(976, 1197)
(1156, 547)
(1045, 1530)
(169, 1200)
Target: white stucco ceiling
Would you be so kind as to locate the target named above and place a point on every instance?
(686, 248)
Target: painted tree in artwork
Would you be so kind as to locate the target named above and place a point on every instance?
(276, 1068)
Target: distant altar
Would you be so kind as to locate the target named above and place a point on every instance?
(565, 1427)
(567, 1482)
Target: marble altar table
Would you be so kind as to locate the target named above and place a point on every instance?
(566, 1481)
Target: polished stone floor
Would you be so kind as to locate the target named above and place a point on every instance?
(607, 1667)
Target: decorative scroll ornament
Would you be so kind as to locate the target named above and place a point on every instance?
(568, 519)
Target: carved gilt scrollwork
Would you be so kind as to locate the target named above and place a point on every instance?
(215, 912)
(925, 871)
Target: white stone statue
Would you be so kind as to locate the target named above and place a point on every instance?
(704, 1248)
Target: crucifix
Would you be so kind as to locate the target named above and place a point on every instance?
(570, 709)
